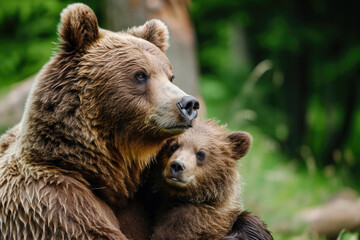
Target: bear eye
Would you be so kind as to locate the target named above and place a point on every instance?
(200, 156)
(141, 77)
(173, 148)
(171, 78)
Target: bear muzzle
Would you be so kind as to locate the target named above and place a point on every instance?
(176, 174)
(174, 110)
(176, 168)
(188, 107)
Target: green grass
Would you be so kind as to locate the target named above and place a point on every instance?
(348, 236)
(276, 188)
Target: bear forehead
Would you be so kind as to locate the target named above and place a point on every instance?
(133, 46)
(212, 139)
(206, 133)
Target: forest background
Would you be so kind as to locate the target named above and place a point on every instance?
(288, 72)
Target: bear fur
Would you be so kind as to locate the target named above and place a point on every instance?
(248, 227)
(98, 113)
(196, 187)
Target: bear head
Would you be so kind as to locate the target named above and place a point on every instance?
(200, 165)
(128, 79)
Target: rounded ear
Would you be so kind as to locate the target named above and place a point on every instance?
(154, 31)
(240, 143)
(78, 27)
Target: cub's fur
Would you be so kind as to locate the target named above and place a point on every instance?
(197, 187)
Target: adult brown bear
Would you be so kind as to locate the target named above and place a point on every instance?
(97, 114)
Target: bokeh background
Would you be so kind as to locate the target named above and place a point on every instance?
(288, 72)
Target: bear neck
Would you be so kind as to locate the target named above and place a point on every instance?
(56, 135)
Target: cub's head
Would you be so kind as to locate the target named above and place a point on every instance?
(200, 165)
(124, 78)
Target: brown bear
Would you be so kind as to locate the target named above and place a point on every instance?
(196, 187)
(97, 114)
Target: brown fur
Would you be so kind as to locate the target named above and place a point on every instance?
(88, 131)
(248, 227)
(206, 203)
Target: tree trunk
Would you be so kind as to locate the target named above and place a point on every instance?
(12, 104)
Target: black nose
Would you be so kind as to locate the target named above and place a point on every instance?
(177, 168)
(188, 106)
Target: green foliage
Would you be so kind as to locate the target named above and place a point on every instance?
(27, 29)
(308, 95)
(344, 235)
(27, 36)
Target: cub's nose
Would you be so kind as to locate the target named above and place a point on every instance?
(188, 106)
(177, 168)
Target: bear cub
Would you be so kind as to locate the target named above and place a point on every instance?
(196, 183)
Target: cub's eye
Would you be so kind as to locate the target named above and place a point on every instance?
(173, 148)
(172, 78)
(200, 156)
(141, 77)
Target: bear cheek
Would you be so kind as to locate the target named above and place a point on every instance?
(120, 105)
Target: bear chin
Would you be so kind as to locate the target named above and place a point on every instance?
(180, 126)
(178, 182)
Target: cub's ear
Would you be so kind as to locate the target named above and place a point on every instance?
(154, 31)
(240, 143)
(78, 28)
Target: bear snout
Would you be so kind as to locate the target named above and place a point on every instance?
(174, 110)
(176, 168)
(188, 107)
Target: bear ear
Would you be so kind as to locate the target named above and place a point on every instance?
(240, 143)
(154, 31)
(78, 28)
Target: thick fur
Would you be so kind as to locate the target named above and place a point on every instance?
(206, 203)
(89, 129)
(248, 227)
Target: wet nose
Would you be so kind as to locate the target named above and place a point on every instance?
(188, 106)
(177, 168)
